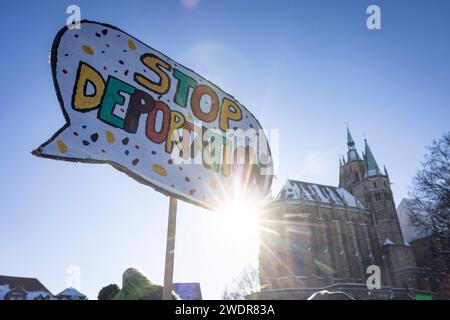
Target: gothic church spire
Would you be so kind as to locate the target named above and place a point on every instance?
(371, 163)
(352, 154)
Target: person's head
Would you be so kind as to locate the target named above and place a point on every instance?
(108, 292)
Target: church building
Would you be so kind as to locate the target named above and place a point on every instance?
(317, 237)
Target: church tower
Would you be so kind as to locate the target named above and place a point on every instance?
(364, 179)
(378, 197)
(352, 170)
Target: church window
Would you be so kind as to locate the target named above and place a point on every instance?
(434, 252)
(374, 184)
(377, 196)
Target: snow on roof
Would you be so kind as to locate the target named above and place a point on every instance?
(72, 293)
(387, 242)
(299, 190)
(373, 172)
(352, 155)
(30, 295)
(410, 233)
(39, 294)
(32, 286)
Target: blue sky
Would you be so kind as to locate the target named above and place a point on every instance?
(303, 67)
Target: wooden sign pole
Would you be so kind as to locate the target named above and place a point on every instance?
(170, 250)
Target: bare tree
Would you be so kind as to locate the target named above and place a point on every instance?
(429, 207)
(246, 283)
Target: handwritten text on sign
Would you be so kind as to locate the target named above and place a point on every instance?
(131, 106)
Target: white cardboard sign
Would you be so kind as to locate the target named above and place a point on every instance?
(129, 105)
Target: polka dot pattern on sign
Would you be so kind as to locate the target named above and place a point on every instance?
(120, 58)
(131, 44)
(159, 170)
(62, 147)
(110, 137)
(87, 49)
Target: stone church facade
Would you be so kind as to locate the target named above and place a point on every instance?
(316, 237)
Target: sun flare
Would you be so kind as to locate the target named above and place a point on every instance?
(240, 218)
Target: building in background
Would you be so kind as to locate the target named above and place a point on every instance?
(315, 237)
(430, 251)
(410, 233)
(71, 294)
(20, 288)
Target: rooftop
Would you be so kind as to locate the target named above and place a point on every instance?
(32, 287)
(307, 191)
(71, 293)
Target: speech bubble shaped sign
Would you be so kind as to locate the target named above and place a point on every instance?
(129, 105)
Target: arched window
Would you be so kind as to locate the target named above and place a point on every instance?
(377, 196)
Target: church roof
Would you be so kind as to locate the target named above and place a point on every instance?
(371, 164)
(352, 154)
(306, 191)
(350, 142)
(410, 233)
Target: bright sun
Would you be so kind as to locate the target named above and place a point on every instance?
(238, 220)
(241, 219)
(236, 232)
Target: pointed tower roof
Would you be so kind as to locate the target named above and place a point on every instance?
(352, 154)
(350, 142)
(371, 163)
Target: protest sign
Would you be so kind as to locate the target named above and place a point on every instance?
(131, 106)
